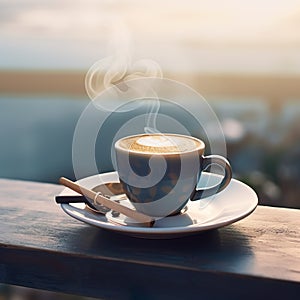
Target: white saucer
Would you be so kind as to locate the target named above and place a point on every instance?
(232, 204)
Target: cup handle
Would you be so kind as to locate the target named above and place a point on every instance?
(223, 163)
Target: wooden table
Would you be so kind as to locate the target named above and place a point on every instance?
(42, 247)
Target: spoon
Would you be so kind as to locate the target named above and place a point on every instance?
(111, 190)
(98, 199)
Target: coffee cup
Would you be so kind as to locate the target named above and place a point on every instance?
(160, 172)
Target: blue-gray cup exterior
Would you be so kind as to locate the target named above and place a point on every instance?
(174, 181)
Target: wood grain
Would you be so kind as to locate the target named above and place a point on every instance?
(41, 247)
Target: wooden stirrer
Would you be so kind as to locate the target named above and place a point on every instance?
(96, 197)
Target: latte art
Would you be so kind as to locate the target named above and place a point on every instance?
(160, 143)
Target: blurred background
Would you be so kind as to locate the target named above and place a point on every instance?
(243, 57)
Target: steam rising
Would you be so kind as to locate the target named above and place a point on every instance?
(110, 71)
(118, 67)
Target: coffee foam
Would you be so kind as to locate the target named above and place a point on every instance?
(159, 143)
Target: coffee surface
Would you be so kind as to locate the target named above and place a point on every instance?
(160, 143)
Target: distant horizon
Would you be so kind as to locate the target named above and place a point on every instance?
(229, 73)
(229, 62)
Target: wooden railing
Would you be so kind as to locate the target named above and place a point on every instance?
(41, 247)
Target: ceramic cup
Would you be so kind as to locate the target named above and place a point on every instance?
(160, 172)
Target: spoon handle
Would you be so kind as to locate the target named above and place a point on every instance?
(73, 199)
(70, 199)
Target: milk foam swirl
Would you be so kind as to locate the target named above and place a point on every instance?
(160, 143)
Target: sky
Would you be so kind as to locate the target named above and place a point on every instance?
(204, 36)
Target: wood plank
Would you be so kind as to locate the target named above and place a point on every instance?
(41, 247)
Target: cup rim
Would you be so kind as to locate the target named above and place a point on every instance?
(201, 147)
